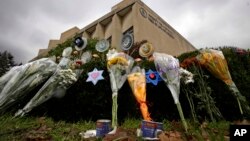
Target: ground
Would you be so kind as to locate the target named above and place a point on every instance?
(46, 129)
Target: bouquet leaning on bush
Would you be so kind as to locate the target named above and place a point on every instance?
(168, 68)
(215, 62)
(60, 81)
(19, 81)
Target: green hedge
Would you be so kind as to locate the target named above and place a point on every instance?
(87, 101)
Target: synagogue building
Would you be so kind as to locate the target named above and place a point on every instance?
(128, 22)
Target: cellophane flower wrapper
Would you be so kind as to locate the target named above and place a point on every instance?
(137, 82)
(64, 63)
(215, 62)
(58, 83)
(86, 57)
(24, 79)
(62, 79)
(119, 66)
(168, 68)
(7, 76)
(65, 60)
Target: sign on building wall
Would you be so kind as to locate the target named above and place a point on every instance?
(157, 22)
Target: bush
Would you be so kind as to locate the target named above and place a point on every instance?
(91, 102)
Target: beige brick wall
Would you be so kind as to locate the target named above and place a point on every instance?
(53, 42)
(147, 25)
(69, 34)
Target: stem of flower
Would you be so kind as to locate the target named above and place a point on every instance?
(241, 111)
(114, 111)
(182, 116)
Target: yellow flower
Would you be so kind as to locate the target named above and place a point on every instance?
(118, 60)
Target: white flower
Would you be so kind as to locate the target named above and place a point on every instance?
(187, 76)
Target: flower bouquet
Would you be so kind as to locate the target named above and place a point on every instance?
(20, 80)
(216, 63)
(7, 76)
(61, 80)
(137, 82)
(119, 65)
(58, 83)
(168, 68)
